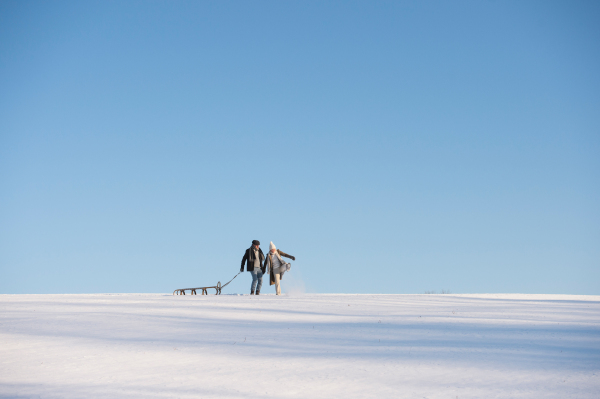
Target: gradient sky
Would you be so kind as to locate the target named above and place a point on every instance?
(392, 147)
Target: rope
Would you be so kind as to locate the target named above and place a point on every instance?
(223, 286)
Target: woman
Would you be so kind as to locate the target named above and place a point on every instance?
(277, 266)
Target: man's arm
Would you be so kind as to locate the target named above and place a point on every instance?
(281, 253)
(244, 261)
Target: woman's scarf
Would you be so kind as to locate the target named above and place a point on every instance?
(278, 257)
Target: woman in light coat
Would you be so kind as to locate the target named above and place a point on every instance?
(277, 266)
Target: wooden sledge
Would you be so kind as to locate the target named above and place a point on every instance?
(217, 288)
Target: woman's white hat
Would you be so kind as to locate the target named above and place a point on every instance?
(272, 246)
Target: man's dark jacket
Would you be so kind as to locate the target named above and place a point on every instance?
(249, 257)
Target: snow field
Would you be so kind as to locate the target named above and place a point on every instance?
(308, 346)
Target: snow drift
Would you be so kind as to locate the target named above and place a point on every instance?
(307, 346)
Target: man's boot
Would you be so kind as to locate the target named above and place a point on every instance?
(251, 292)
(257, 292)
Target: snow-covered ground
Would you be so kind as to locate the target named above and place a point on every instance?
(306, 346)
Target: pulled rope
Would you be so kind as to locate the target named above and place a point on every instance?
(223, 286)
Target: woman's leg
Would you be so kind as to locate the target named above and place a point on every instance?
(277, 285)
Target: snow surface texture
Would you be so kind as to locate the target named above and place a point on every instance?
(304, 346)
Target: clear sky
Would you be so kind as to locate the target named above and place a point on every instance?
(392, 147)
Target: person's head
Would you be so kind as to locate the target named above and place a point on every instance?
(256, 244)
(272, 247)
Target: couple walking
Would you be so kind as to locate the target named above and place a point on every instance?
(257, 265)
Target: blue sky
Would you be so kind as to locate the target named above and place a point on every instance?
(392, 147)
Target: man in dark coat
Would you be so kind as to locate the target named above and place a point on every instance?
(255, 258)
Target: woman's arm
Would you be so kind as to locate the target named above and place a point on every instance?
(281, 253)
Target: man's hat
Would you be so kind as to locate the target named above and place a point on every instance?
(255, 242)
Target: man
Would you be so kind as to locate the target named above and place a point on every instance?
(255, 258)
